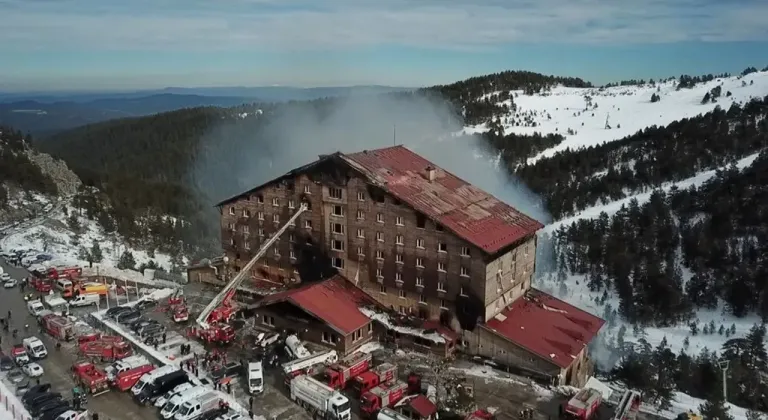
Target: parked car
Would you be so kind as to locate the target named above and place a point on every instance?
(15, 376)
(23, 387)
(10, 283)
(112, 313)
(230, 370)
(145, 303)
(6, 363)
(128, 317)
(33, 370)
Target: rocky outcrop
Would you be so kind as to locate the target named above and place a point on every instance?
(66, 180)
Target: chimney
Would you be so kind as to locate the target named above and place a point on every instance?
(430, 173)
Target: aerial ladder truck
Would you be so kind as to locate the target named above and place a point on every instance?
(212, 322)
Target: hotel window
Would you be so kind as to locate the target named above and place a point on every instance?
(338, 228)
(337, 245)
(246, 213)
(338, 211)
(442, 247)
(260, 215)
(232, 210)
(293, 254)
(231, 226)
(461, 291)
(464, 272)
(420, 281)
(275, 202)
(422, 299)
(465, 251)
(440, 286)
(360, 233)
(276, 218)
(379, 236)
(335, 193)
(246, 229)
(261, 232)
(247, 245)
(379, 255)
(360, 215)
(439, 227)
(399, 258)
(442, 304)
(419, 262)
(360, 251)
(291, 238)
(306, 189)
(383, 289)
(399, 221)
(401, 293)
(421, 221)
(360, 196)
(441, 267)
(399, 240)
(327, 338)
(379, 273)
(260, 199)
(380, 218)
(398, 276)
(276, 252)
(420, 243)
(268, 320)
(338, 263)
(308, 224)
(291, 204)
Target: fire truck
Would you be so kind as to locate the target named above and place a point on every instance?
(384, 395)
(64, 272)
(381, 374)
(106, 350)
(180, 314)
(583, 405)
(629, 405)
(127, 379)
(58, 326)
(91, 378)
(213, 319)
(338, 375)
(308, 365)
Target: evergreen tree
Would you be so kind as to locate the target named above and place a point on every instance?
(715, 409)
(95, 252)
(73, 222)
(126, 261)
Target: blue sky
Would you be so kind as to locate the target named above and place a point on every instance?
(135, 44)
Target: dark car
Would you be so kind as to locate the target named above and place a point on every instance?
(35, 390)
(54, 413)
(230, 370)
(40, 399)
(6, 363)
(128, 317)
(114, 312)
(39, 409)
(144, 304)
(142, 322)
(211, 415)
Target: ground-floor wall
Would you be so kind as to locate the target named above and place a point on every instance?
(311, 330)
(485, 343)
(412, 342)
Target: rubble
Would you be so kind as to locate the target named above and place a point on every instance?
(397, 325)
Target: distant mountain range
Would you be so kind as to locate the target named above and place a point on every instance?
(43, 113)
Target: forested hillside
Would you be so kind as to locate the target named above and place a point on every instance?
(17, 171)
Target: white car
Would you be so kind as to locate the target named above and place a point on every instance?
(10, 283)
(5, 277)
(33, 370)
(35, 307)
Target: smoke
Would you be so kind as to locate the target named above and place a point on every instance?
(241, 154)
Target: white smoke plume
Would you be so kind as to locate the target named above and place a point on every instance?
(240, 155)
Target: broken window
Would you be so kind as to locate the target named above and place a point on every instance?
(338, 211)
(338, 228)
(337, 245)
(260, 199)
(465, 251)
(334, 193)
(439, 227)
(338, 263)
(442, 247)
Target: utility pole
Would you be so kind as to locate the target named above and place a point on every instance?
(724, 367)
(394, 134)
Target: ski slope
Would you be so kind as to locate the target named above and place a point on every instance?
(627, 109)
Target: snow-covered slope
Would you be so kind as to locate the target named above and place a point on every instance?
(580, 114)
(50, 234)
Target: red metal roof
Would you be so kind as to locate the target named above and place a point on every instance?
(334, 301)
(471, 213)
(546, 326)
(422, 406)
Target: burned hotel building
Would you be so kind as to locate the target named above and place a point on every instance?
(421, 243)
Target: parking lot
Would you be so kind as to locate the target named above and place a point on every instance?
(112, 405)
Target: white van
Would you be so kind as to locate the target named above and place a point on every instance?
(126, 364)
(35, 347)
(85, 300)
(173, 405)
(150, 377)
(35, 307)
(63, 284)
(161, 400)
(195, 408)
(255, 378)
